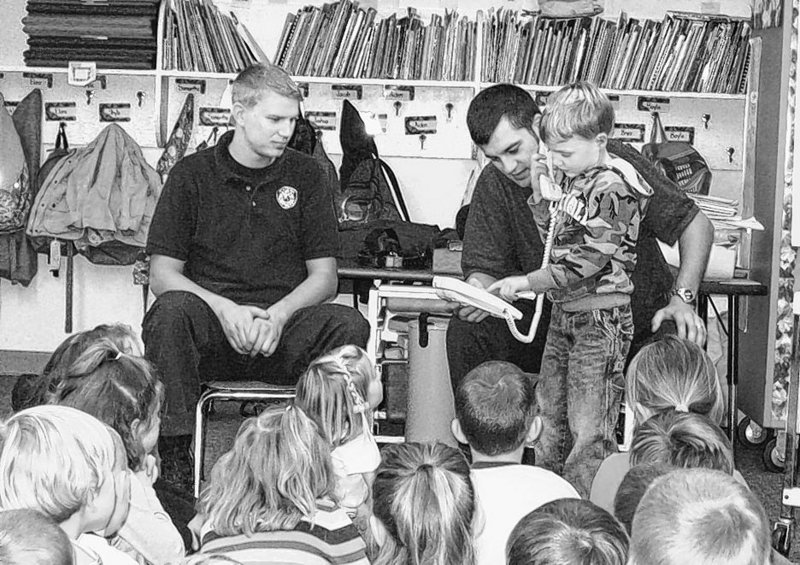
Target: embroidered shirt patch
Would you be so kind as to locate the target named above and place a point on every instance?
(286, 197)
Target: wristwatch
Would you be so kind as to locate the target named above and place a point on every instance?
(685, 294)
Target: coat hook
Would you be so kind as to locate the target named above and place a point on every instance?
(449, 107)
(141, 96)
(397, 106)
(89, 96)
(422, 138)
(706, 119)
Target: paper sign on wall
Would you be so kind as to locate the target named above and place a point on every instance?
(59, 111)
(680, 133)
(420, 124)
(629, 132)
(653, 104)
(346, 91)
(322, 120)
(214, 116)
(115, 112)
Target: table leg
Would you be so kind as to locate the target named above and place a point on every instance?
(733, 365)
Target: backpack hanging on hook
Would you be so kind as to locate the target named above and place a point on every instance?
(678, 161)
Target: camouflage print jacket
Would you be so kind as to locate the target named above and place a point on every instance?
(596, 230)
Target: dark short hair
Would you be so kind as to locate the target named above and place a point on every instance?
(498, 102)
(495, 404)
(632, 489)
(567, 530)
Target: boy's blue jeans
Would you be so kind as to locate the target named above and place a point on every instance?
(580, 390)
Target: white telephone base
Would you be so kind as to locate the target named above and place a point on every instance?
(457, 290)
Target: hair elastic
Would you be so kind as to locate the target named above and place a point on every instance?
(118, 356)
(359, 404)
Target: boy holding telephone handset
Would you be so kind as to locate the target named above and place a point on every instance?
(596, 203)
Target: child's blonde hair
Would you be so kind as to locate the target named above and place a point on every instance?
(53, 459)
(682, 439)
(423, 496)
(28, 537)
(567, 532)
(116, 388)
(577, 109)
(673, 373)
(699, 516)
(277, 469)
(333, 391)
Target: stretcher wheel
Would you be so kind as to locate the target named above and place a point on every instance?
(751, 435)
(781, 538)
(773, 457)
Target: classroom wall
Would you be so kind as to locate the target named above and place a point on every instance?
(32, 318)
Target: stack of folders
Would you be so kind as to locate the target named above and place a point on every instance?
(724, 213)
(114, 33)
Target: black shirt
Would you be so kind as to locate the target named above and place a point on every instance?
(244, 233)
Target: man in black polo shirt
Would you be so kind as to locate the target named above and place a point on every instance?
(243, 246)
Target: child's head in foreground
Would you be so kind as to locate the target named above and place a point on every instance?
(699, 516)
(632, 488)
(66, 464)
(339, 390)
(33, 390)
(423, 504)
(28, 537)
(496, 410)
(673, 373)
(567, 532)
(682, 439)
(271, 478)
(119, 389)
(576, 124)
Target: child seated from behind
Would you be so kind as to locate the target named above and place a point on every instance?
(423, 506)
(71, 467)
(31, 390)
(596, 226)
(671, 373)
(124, 392)
(684, 440)
(28, 537)
(497, 415)
(702, 517)
(568, 532)
(269, 499)
(339, 391)
(632, 489)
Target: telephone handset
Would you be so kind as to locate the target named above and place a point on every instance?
(457, 290)
(547, 184)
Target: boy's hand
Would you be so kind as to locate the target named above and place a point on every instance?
(508, 287)
(538, 167)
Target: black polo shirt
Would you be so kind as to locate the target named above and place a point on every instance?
(243, 233)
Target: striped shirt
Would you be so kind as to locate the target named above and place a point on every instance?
(332, 539)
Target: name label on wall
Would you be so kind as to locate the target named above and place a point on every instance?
(115, 112)
(346, 91)
(614, 99)
(303, 87)
(420, 124)
(214, 116)
(628, 132)
(403, 92)
(322, 120)
(653, 104)
(60, 111)
(680, 133)
(43, 80)
(10, 106)
(193, 85)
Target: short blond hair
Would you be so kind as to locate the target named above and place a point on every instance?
(577, 109)
(673, 373)
(699, 516)
(250, 84)
(53, 459)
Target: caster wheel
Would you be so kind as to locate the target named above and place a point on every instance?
(781, 540)
(751, 435)
(772, 457)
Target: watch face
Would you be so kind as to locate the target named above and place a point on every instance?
(686, 294)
